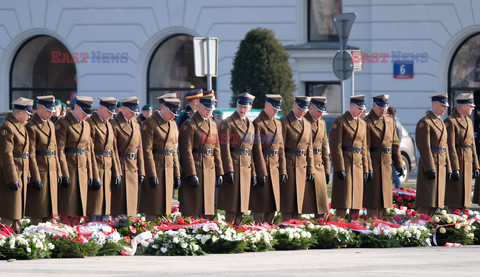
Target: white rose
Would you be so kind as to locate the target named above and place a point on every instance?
(175, 240)
(183, 245)
(296, 235)
(457, 226)
(449, 220)
(467, 228)
(29, 249)
(444, 212)
(290, 237)
(144, 243)
(195, 247)
(311, 226)
(164, 250)
(442, 230)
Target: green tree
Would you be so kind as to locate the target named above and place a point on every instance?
(261, 67)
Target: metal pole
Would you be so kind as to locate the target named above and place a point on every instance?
(342, 83)
(209, 75)
(353, 83)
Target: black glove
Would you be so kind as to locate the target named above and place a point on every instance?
(193, 181)
(177, 183)
(261, 181)
(140, 179)
(310, 177)
(253, 182)
(401, 172)
(219, 181)
(327, 178)
(37, 185)
(14, 185)
(116, 181)
(431, 174)
(96, 184)
(365, 176)
(475, 173)
(66, 182)
(153, 181)
(59, 181)
(456, 175)
(449, 176)
(370, 175)
(229, 178)
(283, 178)
(341, 175)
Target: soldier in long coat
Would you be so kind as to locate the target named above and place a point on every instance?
(315, 200)
(44, 165)
(14, 164)
(434, 165)
(269, 161)
(201, 162)
(384, 150)
(162, 168)
(130, 153)
(77, 162)
(237, 136)
(106, 157)
(297, 136)
(463, 154)
(348, 149)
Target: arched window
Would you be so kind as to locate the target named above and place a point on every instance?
(171, 69)
(43, 66)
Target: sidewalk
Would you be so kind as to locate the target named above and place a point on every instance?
(425, 261)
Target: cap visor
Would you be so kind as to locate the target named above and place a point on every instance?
(114, 111)
(302, 108)
(381, 106)
(174, 112)
(136, 110)
(50, 109)
(209, 107)
(29, 112)
(361, 106)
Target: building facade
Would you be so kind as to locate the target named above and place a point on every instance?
(144, 48)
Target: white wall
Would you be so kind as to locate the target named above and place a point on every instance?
(136, 27)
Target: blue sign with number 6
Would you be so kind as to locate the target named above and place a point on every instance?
(403, 69)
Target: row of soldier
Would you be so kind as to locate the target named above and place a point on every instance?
(97, 167)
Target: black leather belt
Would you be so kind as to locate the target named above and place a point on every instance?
(297, 152)
(203, 151)
(50, 153)
(381, 150)
(163, 151)
(468, 146)
(352, 149)
(439, 149)
(317, 151)
(270, 152)
(21, 155)
(131, 156)
(242, 151)
(76, 150)
(107, 153)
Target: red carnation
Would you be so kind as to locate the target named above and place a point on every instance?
(414, 213)
(399, 200)
(407, 197)
(132, 229)
(409, 205)
(395, 195)
(457, 212)
(55, 238)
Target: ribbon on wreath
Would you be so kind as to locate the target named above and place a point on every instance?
(130, 251)
(440, 226)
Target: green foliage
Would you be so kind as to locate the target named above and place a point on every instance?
(261, 67)
(71, 248)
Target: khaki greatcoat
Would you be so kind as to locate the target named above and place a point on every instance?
(103, 137)
(199, 134)
(460, 133)
(72, 134)
(348, 132)
(381, 134)
(42, 203)
(129, 140)
(13, 139)
(431, 132)
(316, 197)
(297, 136)
(158, 134)
(236, 133)
(270, 138)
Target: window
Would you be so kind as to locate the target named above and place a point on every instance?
(171, 69)
(320, 22)
(37, 69)
(331, 90)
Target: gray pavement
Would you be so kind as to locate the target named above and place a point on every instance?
(432, 261)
